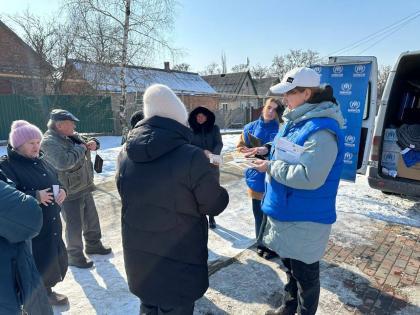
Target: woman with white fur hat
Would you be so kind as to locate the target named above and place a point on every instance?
(300, 195)
(167, 189)
(26, 167)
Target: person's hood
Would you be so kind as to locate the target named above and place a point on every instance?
(13, 154)
(155, 137)
(308, 111)
(207, 126)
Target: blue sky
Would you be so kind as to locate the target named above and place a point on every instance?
(260, 29)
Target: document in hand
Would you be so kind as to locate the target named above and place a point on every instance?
(287, 151)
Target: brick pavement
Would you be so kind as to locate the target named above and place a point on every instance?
(391, 263)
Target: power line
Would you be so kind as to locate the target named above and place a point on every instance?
(387, 35)
(380, 32)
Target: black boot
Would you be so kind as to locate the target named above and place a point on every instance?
(269, 254)
(282, 310)
(212, 222)
(260, 250)
(80, 262)
(97, 249)
(55, 298)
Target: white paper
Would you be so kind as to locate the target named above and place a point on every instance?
(215, 159)
(288, 151)
(56, 190)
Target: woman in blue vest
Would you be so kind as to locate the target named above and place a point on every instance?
(257, 133)
(301, 190)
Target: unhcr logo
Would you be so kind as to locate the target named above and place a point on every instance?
(345, 88)
(389, 157)
(348, 158)
(354, 107)
(317, 69)
(359, 71)
(337, 72)
(349, 141)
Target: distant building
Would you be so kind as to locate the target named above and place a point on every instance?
(91, 78)
(236, 90)
(22, 70)
(262, 86)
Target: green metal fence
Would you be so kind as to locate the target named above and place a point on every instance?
(94, 112)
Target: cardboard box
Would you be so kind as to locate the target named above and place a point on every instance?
(408, 172)
(392, 146)
(390, 134)
(390, 159)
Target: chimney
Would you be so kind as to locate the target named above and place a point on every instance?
(166, 66)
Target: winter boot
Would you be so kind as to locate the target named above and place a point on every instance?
(212, 222)
(97, 249)
(80, 262)
(269, 254)
(282, 310)
(55, 298)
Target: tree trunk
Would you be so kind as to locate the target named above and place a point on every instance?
(123, 97)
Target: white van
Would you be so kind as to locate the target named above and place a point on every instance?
(387, 170)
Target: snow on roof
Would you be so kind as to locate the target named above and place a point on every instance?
(106, 78)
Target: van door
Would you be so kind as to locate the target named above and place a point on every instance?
(354, 80)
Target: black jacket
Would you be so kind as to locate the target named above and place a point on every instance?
(205, 136)
(20, 283)
(49, 251)
(166, 189)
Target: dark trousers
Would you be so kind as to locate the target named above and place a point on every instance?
(258, 216)
(302, 287)
(146, 309)
(81, 216)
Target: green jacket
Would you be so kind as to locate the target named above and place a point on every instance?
(71, 160)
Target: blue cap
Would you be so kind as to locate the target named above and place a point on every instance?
(62, 114)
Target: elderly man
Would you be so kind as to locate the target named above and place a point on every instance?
(69, 153)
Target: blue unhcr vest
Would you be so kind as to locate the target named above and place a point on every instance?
(266, 133)
(284, 203)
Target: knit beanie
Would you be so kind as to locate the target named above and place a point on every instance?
(22, 131)
(160, 100)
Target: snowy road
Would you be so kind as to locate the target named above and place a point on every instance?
(249, 285)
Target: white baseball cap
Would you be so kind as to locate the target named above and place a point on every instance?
(297, 77)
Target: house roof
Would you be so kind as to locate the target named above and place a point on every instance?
(229, 83)
(263, 85)
(106, 77)
(31, 65)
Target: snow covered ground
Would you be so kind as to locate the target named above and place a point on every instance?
(104, 290)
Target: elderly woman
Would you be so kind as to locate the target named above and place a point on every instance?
(301, 191)
(257, 133)
(25, 166)
(166, 187)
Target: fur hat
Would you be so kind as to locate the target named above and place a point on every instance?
(159, 100)
(22, 131)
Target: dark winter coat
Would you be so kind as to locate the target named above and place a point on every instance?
(205, 136)
(30, 176)
(71, 160)
(166, 189)
(20, 283)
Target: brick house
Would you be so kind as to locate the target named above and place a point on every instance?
(22, 70)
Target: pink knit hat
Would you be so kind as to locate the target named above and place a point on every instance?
(22, 131)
